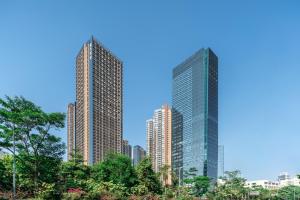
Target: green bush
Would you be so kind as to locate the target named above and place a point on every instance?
(72, 196)
(49, 191)
(168, 194)
(115, 191)
(183, 194)
(139, 190)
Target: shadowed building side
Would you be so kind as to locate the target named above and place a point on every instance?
(138, 154)
(127, 149)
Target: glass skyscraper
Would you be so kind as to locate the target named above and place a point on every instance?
(195, 115)
(138, 154)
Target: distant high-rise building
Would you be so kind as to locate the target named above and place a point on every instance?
(71, 130)
(151, 147)
(127, 149)
(98, 102)
(138, 154)
(220, 160)
(159, 130)
(195, 115)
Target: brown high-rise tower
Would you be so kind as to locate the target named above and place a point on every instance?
(99, 82)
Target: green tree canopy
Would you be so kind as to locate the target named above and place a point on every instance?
(147, 177)
(164, 173)
(198, 185)
(289, 192)
(6, 172)
(233, 188)
(116, 168)
(38, 152)
(75, 173)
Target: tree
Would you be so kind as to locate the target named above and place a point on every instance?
(164, 173)
(116, 168)
(38, 152)
(175, 179)
(147, 177)
(75, 173)
(6, 172)
(198, 184)
(262, 193)
(233, 188)
(2, 174)
(192, 172)
(289, 192)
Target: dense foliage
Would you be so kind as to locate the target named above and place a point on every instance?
(198, 185)
(38, 152)
(42, 174)
(116, 168)
(74, 173)
(147, 177)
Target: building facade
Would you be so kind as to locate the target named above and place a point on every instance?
(195, 115)
(71, 130)
(283, 176)
(159, 138)
(127, 149)
(283, 180)
(220, 161)
(271, 185)
(138, 154)
(99, 114)
(151, 145)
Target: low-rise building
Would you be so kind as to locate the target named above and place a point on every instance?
(291, 181)
(283, 176)
(263, 183)
(285, 179)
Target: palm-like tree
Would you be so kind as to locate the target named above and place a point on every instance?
(164, 173)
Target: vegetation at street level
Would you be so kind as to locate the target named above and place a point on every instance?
(41, 172)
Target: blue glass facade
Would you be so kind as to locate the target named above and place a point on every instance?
(138, 154)
(195, 115)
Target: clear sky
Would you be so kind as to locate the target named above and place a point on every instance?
(257, 42)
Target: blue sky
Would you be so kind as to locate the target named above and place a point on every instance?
(257, 43)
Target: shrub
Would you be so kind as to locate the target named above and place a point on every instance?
(105, 190)
(48, 191)
(72, 196)
(183, 194)
(168, 194)
(139, 190)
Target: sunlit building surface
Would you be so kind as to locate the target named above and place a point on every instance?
(98, 102)
(71, 130)
(159, 138)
